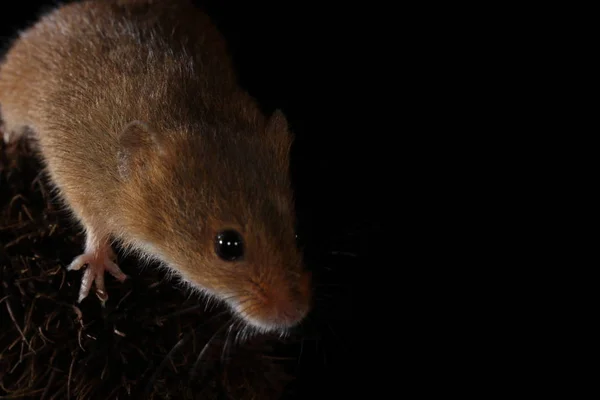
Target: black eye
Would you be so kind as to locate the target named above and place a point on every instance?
(229, 245)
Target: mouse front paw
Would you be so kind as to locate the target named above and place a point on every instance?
(98, 262)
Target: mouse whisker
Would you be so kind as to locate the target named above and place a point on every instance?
(179, 312)
(240, 330)
(301, 350)
(338, 340)
(206, 347)
(244, 301)
(227, 343)
(226, 299)
(244, 333)
(165, 360)
(342, 253)
(249, 309)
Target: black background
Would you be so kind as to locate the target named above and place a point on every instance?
(308, 61)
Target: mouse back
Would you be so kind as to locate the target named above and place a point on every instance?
(151, 140)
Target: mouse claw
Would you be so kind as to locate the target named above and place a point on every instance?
(97, 264)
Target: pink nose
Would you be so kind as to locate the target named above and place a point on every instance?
(282, 306)
(289, 313)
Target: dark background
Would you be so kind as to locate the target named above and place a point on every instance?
(306, 60)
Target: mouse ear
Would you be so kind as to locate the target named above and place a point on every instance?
(279, 132)
(135, 139)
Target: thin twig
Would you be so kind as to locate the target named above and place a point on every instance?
(12, 316)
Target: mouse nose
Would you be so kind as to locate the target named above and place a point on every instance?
(282, 306)
(291, 306)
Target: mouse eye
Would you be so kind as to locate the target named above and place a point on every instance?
(229, 245)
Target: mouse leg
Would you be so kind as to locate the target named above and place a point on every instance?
(99, 258)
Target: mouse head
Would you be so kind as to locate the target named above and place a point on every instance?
(216, 205)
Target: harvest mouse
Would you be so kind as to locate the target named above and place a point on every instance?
(151, 142)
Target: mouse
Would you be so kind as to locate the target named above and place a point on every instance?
(151, 142)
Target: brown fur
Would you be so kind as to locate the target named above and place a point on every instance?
(202, 159)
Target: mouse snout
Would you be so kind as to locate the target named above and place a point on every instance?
(279, 305)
